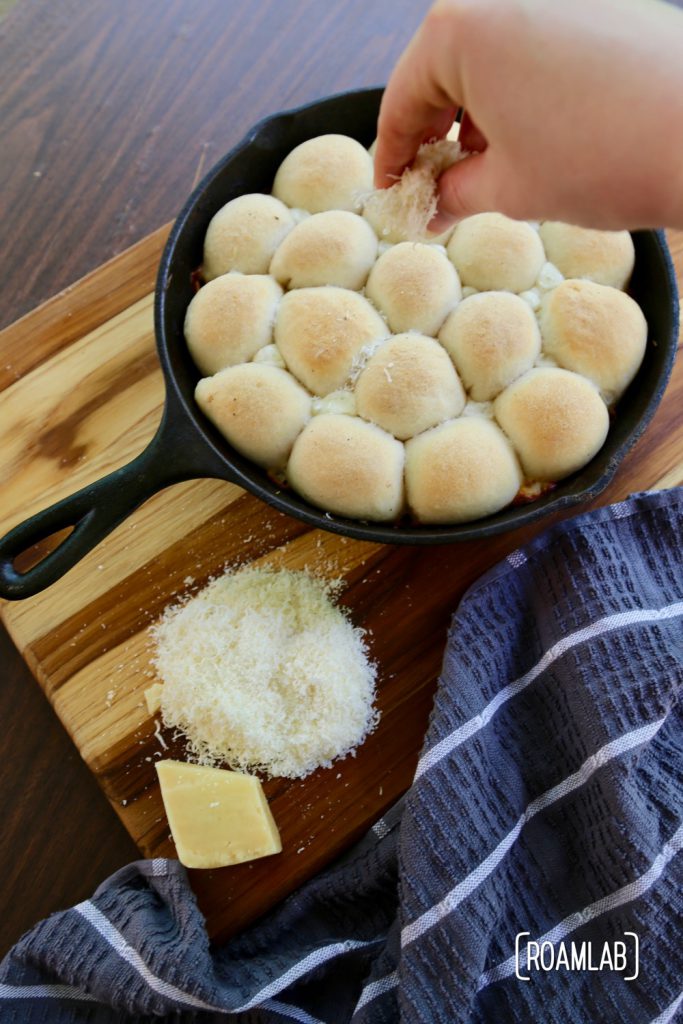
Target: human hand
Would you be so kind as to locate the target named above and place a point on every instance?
(575, 111)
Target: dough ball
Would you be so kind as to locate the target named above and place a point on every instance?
(408, 386)
(321, 331)
(597, 331)
(459, 471)
(556, 420)
(230, 319)
(493, 338)
(244, 234)
(335, 247)
(330, 172)
(259, 409)
(415, 286)
(492, 252)
(606, 257)
(345, 465)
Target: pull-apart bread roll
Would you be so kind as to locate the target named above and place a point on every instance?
(320, 332)
(335, 247)
(606, 257)
(415, 286)
(597, 331)
(230, 319)
(259, 409)
(402, 212)
(491, 251)
(408, 386)
(492, 338)
(330, 172)
(461, 470)
(345, 465)
(555, 419)
(244, 234)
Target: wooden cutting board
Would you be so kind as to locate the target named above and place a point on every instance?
(81, 394)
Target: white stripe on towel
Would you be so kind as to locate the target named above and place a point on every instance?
(380, 828)
(668, 1014)
(605, 625)
(127, 952)
(309, 963)
(131, 956)
(633, 891)
(466, 887)
(45, 992)
(291, 1012)
(376, 989)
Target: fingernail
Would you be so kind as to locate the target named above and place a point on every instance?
(440, 222)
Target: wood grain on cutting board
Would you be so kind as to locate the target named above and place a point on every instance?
(81, 394)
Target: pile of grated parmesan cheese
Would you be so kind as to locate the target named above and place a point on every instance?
(262, 671)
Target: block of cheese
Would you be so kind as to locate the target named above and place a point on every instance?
(153, 698)
(217, 817)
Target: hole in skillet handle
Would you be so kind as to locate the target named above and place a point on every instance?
(22, 574)
(40, 550)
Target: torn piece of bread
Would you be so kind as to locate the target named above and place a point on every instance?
(402, 212)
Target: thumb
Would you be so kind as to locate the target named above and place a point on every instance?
(467, 187)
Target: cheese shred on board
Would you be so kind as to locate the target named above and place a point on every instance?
(262, 671)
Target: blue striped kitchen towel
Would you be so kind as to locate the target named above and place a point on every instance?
(533, 871)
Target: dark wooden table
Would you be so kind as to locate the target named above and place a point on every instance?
(109, 114)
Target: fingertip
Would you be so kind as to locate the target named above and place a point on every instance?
(440, 223)
(462, 189)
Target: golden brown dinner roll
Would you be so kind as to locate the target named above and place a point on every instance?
(321, 331)
(408, 386)
(230, 319)
(244, 234)
(492, 252)
(597, 331)
(606, 257)
(460, 470)
(260, 409)
(555, 419)
(330, 172)
(335, 247)
(492, 338)
(415, 286)
(345, 465)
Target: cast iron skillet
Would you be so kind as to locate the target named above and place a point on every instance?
(187, 446)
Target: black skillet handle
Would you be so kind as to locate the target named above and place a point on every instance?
(94, 511)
